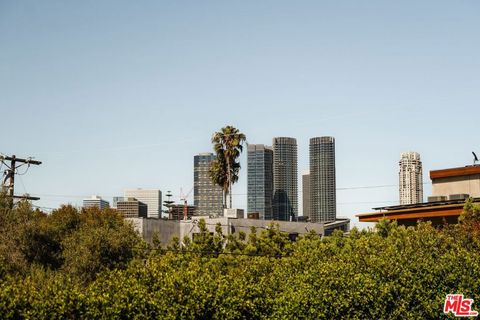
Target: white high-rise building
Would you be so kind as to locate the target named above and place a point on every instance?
(411, 178)
(151, 197)
(95, 201)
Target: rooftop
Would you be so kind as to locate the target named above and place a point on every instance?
(455, 172)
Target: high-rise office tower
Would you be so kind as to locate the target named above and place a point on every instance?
(260, 180)
(323, 206)
(151, 197)
(306, 194)
(95, 201)
(285, 179)
(411, 178)
(207, 196)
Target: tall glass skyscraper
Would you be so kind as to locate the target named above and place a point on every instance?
(323, 206)
(285, 179)
(207, 197)
(411, 178)
(260, 180)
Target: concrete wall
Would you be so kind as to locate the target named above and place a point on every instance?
(455, 185)
(167, 229)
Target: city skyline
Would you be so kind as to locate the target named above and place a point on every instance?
(125, 95)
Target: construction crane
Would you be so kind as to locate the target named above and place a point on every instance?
(184, 197)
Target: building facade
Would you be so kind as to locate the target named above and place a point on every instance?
(151, 197)
(95, 202)
(306, 195)
(323, 198)
(207, 196)
(452, 182)
(132, 208)
(410, 178)
(285, 179)
(180, 212)
(260, 180)
(117, 200)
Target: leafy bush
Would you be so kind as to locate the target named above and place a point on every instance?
(101, 271)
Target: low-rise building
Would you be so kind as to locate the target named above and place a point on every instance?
(95, 202)
(180, 212)
(450, 188)
(132, 208)
(165, 230)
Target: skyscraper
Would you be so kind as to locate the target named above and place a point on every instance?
(323, 206)
(411, 178)
(306, 194)
(208, 197)
(285, 179)
(260, 180)
(151, 197)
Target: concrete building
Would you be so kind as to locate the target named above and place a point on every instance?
(207, 197)
(167, 229)
(132, 208)
(323, 199)
(411, 178)
(306, 195)
(285, 179)
(95, 202)
(456, 181)
(151, 197)
(260, 180)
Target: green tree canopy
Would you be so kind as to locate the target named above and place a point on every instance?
(228, 145)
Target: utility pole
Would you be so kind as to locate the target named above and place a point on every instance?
(10, 175)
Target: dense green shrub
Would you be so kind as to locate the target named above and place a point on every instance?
(395, 273)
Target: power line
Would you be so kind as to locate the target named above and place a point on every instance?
(235, 194)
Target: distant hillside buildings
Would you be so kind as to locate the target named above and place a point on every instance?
(410, 178)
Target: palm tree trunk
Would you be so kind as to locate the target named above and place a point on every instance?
(229, 183)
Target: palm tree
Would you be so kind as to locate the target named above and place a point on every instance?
(228, 145)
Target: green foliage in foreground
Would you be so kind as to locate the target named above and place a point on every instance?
(395, 273)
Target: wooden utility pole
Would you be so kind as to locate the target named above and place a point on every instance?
(10, 175)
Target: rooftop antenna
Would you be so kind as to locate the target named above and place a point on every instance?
(475, 158)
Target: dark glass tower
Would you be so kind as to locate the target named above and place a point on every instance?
(285, 179)
(323, 205)
(260, 180)
(207, 197)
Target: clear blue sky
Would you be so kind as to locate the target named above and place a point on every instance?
(122, 94)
